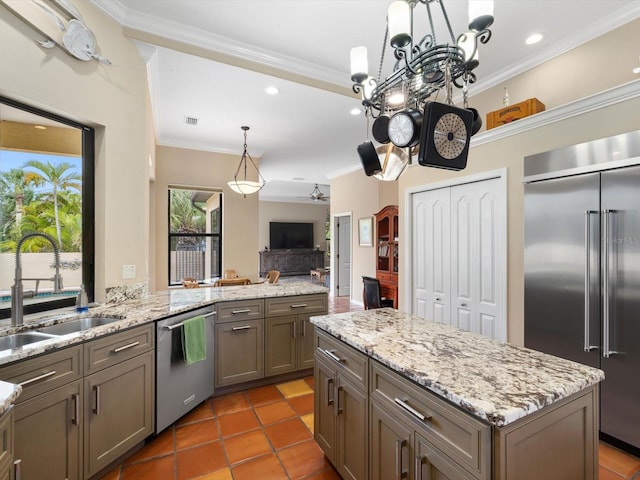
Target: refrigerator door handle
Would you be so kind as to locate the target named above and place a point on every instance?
(606, 225)
(587, 280)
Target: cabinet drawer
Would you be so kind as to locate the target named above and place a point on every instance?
(110, 350)
(44, 373)
(464, 439)
(241, 310)
(347, 359)
(294, 305)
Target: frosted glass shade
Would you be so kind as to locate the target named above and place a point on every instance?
(359, 64)
(399, 19)
(245, 187)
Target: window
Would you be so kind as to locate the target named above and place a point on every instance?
(46, 186)
(195, 235)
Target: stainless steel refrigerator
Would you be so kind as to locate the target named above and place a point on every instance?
(582, 268)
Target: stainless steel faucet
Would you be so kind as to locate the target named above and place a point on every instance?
(17, 292)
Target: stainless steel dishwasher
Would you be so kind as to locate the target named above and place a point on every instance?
(181, 387)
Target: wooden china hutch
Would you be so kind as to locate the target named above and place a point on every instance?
(387, 252)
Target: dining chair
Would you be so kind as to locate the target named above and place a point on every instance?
(190, 282)
(230, 274)
(371, 294)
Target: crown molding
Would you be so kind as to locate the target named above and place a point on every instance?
(575, 39)
(251, 53)
(622, 93)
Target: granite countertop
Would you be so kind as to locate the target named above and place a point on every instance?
(134, 312)
(8, 394)
(494, 381)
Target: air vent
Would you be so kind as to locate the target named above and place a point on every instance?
(191, 121)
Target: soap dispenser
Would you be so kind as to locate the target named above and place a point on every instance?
(82, 301)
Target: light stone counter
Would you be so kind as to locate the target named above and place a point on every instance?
(8, 394)
(148, 308)
(497, 382)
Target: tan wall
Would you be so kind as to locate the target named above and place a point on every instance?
(198, 169)
(358, 195)
(110, 98)
(293, 212)
(591, 68)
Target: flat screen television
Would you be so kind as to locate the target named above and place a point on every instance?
(290, 235)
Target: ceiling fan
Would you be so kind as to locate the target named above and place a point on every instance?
(317, 196)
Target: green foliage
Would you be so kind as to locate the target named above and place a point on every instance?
(56, 210)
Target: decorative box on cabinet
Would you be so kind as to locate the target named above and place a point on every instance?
(387, 252)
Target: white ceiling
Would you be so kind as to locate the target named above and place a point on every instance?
(306, 135)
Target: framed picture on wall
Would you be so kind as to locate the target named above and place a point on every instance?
(365, 231)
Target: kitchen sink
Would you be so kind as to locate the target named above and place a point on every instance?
(78, 325)
(18, 340)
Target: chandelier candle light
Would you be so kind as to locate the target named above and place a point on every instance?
(423, 66)
(242, 185)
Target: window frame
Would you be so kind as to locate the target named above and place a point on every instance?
(88, 210)
(171, 235)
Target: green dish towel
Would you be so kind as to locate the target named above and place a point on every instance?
(193, 341)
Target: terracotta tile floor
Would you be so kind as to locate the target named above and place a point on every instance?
(267, 433)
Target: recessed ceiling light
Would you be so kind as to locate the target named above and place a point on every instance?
(40, 127)
(272, 90)
(355, 111)
(533, 38)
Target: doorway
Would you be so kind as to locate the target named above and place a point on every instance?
(341, 252)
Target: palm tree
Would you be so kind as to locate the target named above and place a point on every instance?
(13, 189)
(60, 177)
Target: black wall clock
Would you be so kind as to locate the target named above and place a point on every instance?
(444, 141)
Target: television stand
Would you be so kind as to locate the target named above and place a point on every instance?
(291, 262)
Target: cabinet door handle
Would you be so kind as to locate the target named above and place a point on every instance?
(333, 356)
(244, 327)
(17, 469)
(37, 379)
(244, 310)
(293, 329)
(463, 305)
(400, 474)
(420, 461)
(304, 328)
(328, 387)
(96, 389)
(339, 409)
(298, 305)
(126, 347)
(412, 410)
(76, 408)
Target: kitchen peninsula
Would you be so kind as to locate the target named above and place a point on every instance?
(401, 397)
(89, 395)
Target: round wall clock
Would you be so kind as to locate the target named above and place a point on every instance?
(445, 135)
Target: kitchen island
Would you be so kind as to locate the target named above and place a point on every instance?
(401, 397)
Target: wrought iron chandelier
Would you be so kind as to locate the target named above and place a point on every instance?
(243, 185)
(421, 66)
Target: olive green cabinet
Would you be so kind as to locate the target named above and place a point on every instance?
(289, 333)
(47, 428)
(239, 351)
(341, 406)
(6, 445)
(118, 411)
(63, 413)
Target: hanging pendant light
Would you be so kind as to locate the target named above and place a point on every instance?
(242, 185)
